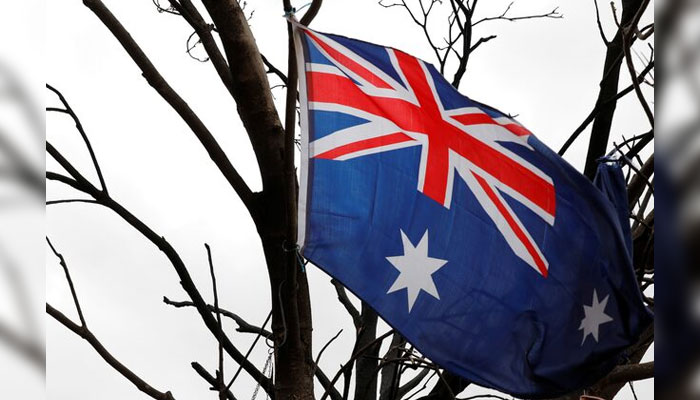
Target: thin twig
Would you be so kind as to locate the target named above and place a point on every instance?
(190, 13)
(600, 25)
(555, 14)
(69, 201)
(156, 80)
(345, 301)
(243, 326)
(318, 357)
(600, 106)
(220, 374)
(354, 357)
(68, 110)
(81, 184)
(62, 261)
(271, 69)
(201, 371)
(89, 337)
(627, 34)
(252, 346)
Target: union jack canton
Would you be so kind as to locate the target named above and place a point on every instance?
(430, 207)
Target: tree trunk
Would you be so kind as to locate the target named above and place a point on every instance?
(388, 388)
(600, 133)
(366, 366)
(291, 307)
(274, 210)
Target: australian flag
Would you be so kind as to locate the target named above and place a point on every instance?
(491, 254)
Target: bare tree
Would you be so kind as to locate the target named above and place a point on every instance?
(222, 37)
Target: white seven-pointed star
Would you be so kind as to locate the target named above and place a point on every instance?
(595, 317)
(416, 269)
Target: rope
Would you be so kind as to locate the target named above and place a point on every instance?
(294, 10)
(297, 250)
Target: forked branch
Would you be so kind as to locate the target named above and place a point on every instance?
(85, 333)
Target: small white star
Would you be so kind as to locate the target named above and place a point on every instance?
(416, 269)
(595, 317)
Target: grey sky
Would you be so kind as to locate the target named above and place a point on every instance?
(546, 71)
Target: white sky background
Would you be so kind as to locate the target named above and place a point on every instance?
(546, 71)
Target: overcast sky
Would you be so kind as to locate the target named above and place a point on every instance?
(545, 71)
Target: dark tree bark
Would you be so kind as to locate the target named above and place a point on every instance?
(366, 366)
(390, 372)
(600, 133)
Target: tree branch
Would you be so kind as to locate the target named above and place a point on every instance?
(630, 373)
(411, 384)
(80, 183)
(311, 14)
(251, 88)
(504, 16)
(349, 364)
(600, 106)
(68, 110)
(85, 333)
(76, 302)
(600, 24)
(221, 386)
(190, 13)
(345, 301)
(214, 382)
(274, 70)
(318, 357)
(243, 326)
(600, 133)
(627, 34)
(156, 80)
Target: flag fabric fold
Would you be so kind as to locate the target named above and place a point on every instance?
(493, 256)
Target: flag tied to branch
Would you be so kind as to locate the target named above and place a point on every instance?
(493, 256)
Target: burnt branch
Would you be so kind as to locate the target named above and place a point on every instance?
(85, 333)
(404, 389)
(600, 24)
(320, 353)
(271, 69)
(167, 10)
(250, 349)
(351, 362)
(243, 325)
(615, 52)
(312, 13)
(600, 107)
(69, 279)
(391, 374)
(456, 42)
(214, 382)
(191, 46)
(203, 31)
(345, 301)
(221, 387)
(156, 80)
(80, 183)
(79, 126)
(504, 16)
(628, 33)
